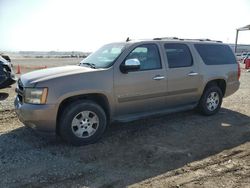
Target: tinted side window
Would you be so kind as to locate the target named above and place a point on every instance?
(214, 54)
(148, 55)
(178, 55)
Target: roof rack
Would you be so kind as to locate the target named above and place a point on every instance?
(164, 38)
(176, 38)
(208, 40)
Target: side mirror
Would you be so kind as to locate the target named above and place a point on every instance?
(130, 65)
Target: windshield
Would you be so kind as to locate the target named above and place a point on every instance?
(104, 57)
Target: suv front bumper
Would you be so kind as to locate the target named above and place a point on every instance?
(39, 117)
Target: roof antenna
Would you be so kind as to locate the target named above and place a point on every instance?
(128, 39)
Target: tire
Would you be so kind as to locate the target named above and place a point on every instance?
(211, 100)
(82, 122)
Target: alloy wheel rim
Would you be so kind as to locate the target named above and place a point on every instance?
(85, 124)
(213, 100)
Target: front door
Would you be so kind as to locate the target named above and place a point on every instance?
(143, 90)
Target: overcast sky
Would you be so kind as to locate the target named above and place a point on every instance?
(84, 25)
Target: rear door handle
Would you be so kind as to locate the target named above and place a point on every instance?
(159, 77)
(192, 74)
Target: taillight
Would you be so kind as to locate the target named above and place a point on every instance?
(238, 71)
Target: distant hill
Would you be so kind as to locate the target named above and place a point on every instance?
(241, 47)
(47, 54)
(77, 54)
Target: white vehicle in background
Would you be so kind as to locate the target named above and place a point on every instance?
(238, 57)
(244, 56)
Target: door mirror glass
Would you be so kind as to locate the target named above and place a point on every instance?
(130, 65)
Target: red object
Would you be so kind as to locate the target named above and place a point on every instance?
(247, 64)
(18, 69)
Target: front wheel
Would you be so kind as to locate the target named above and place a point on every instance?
(211, 100)
(82, 122)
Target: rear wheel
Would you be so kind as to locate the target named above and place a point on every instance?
(211, 100)
(82, 122)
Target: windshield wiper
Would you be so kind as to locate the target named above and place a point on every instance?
(91, 65)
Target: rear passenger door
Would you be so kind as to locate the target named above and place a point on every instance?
(182, 75)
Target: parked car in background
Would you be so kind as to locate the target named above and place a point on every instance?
(238, 57)
(124, 82)
(247, 56)
(244, 56)
(7, 76)
(6, 57)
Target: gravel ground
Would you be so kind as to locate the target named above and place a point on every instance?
(177, 150)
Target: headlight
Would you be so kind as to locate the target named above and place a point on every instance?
(35, 95)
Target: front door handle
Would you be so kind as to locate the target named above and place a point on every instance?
(192, 74)
(159, 77)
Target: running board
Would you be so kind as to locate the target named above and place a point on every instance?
(133, 117)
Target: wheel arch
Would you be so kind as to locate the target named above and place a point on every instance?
(98, 98)
(221, 83)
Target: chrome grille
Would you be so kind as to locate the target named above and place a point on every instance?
(20, 85)
(19, 90)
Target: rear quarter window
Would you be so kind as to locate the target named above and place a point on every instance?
(214, 54)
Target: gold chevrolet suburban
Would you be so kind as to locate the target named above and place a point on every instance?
(127, 81)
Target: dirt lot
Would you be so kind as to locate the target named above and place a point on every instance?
(177, 150)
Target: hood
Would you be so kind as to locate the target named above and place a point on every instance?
(34, 77)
